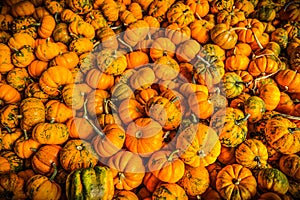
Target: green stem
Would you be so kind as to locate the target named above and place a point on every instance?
(170, 157)
(25, 135)
(292, 130)
(239, 121)
(127, 45)
(85, 116)
(54, 173)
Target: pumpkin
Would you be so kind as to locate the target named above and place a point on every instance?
(169, 191)
(195, 180)
(181, 14)
(127, 170)
(256, 107)
(36, 68)
(252, 154)
(81, 45)
(55, 7)
(196, 149)
(99, 80)
(200, 30)
(210, 193)
(19, 40)
(153, 23)
(231, 18)
(121, 91)
(199, 7)
(282, 134)
(96, 19)
(110, 10)
(47, 51)
(23, 57)
(90, 183)
(291, 12)
(270, 93)
(25, 25)
(10, 162)
(233, 84)
(80, 28)
(166, 68)
(96, 102)
(57, 111)
(54, 78)
(107, 37)
(80, 128)
(80, 7)
(40, 12)
(289, 164)
(42, 161)
(6, 20)
(236, 182)
(143, 78)
(61, 33)
(221, 5)
(11, 187)
(34, 90)
(224, 36)
(9, 95)
(231, 126)
(273, 180)
(77, 154)
(237, 62)
(22, 9)
(8, 139)
(294, 189)
(253, 28)
(288, 79)
(32, 111)
(4, 36)
(166, 166)
(127, 17)
(67, 59)
(136, 32)
(200, 105)
(227, 155)
(144, 136)
(47, 26)
(295, 59)
(9, 116)
(150, 181)
(239, 101)
(158, 9)
(50, 133)
(177, 34)
(5, 59)
(42, 187)
(109, 140)
(125, 195)
(160, 47)
(187, 50)
(164, 111)
(26, 146)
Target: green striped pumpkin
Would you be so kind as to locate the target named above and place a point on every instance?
(90, 184)
(10, 162)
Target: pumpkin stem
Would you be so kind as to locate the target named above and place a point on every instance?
(288, 116)
(290, 3)
(52, 120)
(33, 149)
(203, 60)
(201, 153)
(56, 17)
(257, 41)
(127, 45)
(85, 116)
(167, 137)
(8, 129)
(19, 116)
(170, 157)
(149, 36)
(106, 101)
(257, 159)
(236, 181)
(239, 121)
(261, 78)
(198, 16)
(292, 130)
(115, 27)
(54, 173)
(25, 134)
(138, 134)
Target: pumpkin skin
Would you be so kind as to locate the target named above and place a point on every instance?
(263, 64)
(200, 105)
(22, 9)
(25, 147)
(164, 111)
(294, 189)
(136, 32)
(195, 180)
(19, 40)
(252, 154)
(81, 45)
(68, 59)
(32, 111)
(9, 95)
(11, 187)
(10, 162)
(166, 166)
(196, 149)
(142, 79)
(80, 7)
(181, 14)
(169, 191)
(223, 36)
(144, 136)
(236, 182)
(99, 80)
(231, 126)
(76, 125)
(288, 79)
(273, 180)
(233, 84)
(74, 149)
(166, 68)
(53, 78)
(270, 93)
(8, 139)
(125, 195)
(227, 155)
(253, 26)
(57, 111)
(255, 106)
(50, 133)
(283, 135)
(176, 34)
(110, 141)
(23, 57)
(33, 90)
(9, 117)
(160, 47)
(127, 170)
(90, 183)
(289, 165)
(18, 78)
(44, 158)
(41, 187)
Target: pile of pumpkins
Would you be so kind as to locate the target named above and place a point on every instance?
(149, 99)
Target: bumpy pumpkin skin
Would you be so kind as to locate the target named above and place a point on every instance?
(90, 183)
(236, 182)
(252, 154)
(282, 135)
(10, 162)
(195, 180)
(273, 180)
(169, 191)
(199, 145)
(12, 184)
(289, 164)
